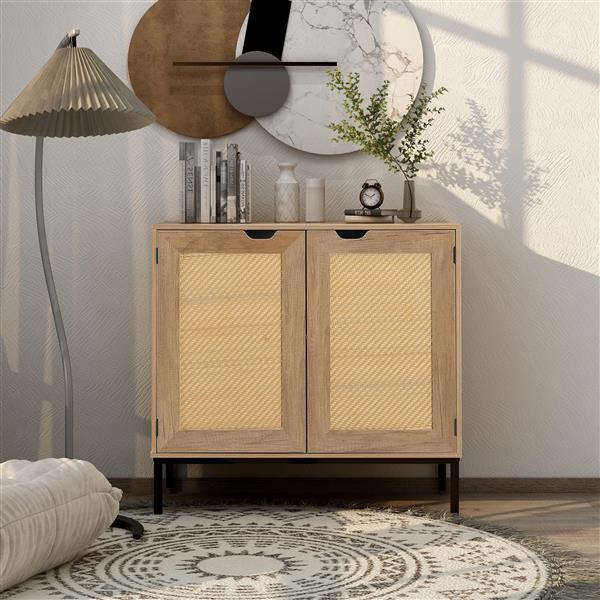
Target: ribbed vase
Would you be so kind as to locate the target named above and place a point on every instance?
(287, 195)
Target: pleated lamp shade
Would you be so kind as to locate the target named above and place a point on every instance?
(75, 94)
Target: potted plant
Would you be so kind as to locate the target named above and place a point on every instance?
(372, 129)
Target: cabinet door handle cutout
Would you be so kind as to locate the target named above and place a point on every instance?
(260, 234)
(351, 234)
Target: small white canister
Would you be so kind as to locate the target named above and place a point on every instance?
(315, 200)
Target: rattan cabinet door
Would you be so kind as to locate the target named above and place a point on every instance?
(381, 342)
(230, 342)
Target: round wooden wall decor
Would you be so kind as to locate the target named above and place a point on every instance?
(187, 100)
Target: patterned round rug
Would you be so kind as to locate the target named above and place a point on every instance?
(296, 553)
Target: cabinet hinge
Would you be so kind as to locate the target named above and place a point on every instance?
(453, 255)
(455, 426)
(156, 255)
(156, 427)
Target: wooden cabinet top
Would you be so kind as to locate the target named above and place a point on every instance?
(302, 226)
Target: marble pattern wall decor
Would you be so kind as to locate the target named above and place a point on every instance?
(377, 38)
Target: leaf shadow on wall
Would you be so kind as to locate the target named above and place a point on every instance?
(476, 144)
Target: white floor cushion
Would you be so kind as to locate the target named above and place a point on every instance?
(50, 512)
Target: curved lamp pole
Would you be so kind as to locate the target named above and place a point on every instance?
(73, 95)
(52, 295)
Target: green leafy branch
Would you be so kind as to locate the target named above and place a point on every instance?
(369, 126)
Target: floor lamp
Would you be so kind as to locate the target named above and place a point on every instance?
(73, 95)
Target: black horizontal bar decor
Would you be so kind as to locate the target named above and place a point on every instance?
(272, 63)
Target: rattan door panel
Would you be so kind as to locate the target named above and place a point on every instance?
(230, 342)
(377, 326)
(381, 342)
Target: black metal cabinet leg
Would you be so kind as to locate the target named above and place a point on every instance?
(170, 476)
(454, 487)
(158, 486)
(441, 477)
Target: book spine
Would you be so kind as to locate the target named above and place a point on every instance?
(213, 193)
(237, 180)
(249, 192)
(190, 163)
(198, 193)
(232, 189)
(370, 212)
(243, 205)
(181, 174)
(223, 192)
(205, 152)
(217, 188)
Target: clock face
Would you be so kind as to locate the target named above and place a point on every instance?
(376, 38)
(371, 197)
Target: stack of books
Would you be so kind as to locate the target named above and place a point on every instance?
(369, 215)
(214, 184)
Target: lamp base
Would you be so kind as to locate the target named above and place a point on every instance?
(123, 522)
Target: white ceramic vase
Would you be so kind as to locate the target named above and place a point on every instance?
(287, 195)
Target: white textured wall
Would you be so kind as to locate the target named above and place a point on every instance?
(516, 163)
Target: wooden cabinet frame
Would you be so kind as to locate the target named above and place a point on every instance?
(442, 446)
(446, 448)
(256, 449)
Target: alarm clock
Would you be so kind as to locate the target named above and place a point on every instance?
(371, 194)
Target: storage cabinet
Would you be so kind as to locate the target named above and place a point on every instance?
(328, 341)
